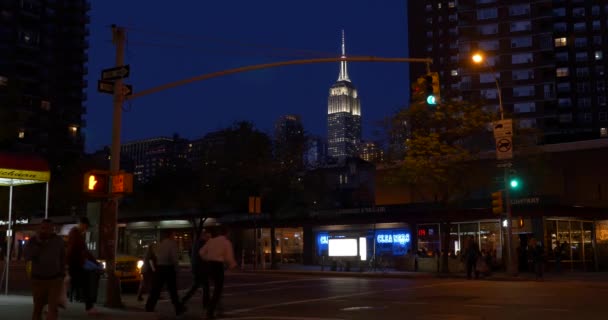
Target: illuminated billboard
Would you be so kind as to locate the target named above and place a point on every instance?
(343, 247)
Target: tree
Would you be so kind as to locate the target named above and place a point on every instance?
(444, 142)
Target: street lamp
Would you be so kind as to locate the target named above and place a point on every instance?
(479, 58)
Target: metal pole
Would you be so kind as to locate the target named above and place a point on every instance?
(46, 202)
(511, 259)
(9, 234)
(113, 288)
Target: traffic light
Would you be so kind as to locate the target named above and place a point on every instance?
(497, 207)
(419, 89)
(96, 183)
(514, 183)
(435, 89)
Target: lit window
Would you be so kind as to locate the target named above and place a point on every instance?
(3, 81)
(21, 134)
(599, 55)
(604, 132)
(524, 107)
(561, 42)
(489, 13)
(454, 72)
(562, 72)
(73, 129)
(45, 105)
(452, 4)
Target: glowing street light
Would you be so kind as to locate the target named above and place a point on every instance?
(477, 58)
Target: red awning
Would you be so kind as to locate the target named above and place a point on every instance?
(19, 161)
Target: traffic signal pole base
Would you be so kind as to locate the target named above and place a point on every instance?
(113, 296)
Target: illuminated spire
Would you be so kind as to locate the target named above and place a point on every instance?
(343, 69)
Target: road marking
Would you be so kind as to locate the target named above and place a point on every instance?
(413, 302)
(289, 303)
(270, 282)
(483, 306)
(286, 318)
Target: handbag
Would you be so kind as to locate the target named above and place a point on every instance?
(91, 266)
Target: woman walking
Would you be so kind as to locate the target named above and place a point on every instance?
(148, 271)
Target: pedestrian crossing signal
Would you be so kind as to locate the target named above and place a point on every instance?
(497, 203)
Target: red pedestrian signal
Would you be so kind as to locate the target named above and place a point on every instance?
(96, 183)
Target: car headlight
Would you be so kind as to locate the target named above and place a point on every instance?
(140, 264)
(103, 263)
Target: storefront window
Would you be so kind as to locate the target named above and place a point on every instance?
(455, 244)
(551, 241)
(393, 242)
(577, 239)
(587, 240)
(490, 238)
(468, 230)
(429, 240)
(563, 236)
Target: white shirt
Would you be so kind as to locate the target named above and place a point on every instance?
(166, 255)
(218, 249)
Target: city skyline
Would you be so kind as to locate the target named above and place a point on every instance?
(205, 39)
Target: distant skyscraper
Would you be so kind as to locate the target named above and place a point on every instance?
(343, 115)
(151, 155)
(315, 153)
(289, 140)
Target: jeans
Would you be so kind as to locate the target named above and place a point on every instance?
(168, 275)
(201, 280)
(216, 273)
(85, 283)
(46, 292)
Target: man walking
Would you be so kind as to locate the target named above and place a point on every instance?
(83, 266)
(167, 264)
(199, 271)
(217, 252)
(46, 251)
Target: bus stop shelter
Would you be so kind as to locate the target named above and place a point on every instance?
(18, 170)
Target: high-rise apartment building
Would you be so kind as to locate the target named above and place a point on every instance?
(289, 141)
(149, 156)
(547, 56)
(43, 53)
(343, 115)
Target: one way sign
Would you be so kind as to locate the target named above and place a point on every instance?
(116, 73)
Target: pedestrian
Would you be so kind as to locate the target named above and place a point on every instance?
(217, 252)
(471, 255)
(537, 254)
(199, 271)
(83, 268)
(148, 272)
(46, 252)
(167, 265)
(557, 253)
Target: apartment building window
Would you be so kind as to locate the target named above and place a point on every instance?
(562, 72)
(563, 87)
(3, 81)
(565, 118)
(578, 12)
(488, 77)
(521, 26)
(527, 123)
(583, 87)
(549, 91)
(601, 101)
(429, 7)
(524, 74)
(521, 42)
(596, 25)
(587, 117)
(29, 38)
(524, 107)
(580, 26)
(21, 134)
(452, 4)
(523, 91)
(485, 1)
(561, 42)
(597, 40)
(602, 116)
(581, 56)
(489, 45)
(580, 42)
(521, 58)
(454, 72)
(561, 56)
(603, 132)
(453, 17)
(582, 72)
(488, 29)
(45, 105)
(521, 9)
(599, 70)
(559, 12)
(595, 10)
(464, 47)
(600, 86)
(560, 27)
(487, 13)
(564, 102)
(598, 55)
(489, 93)
(584, 103)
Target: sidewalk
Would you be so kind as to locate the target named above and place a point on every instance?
(20, 307)
(297, 269)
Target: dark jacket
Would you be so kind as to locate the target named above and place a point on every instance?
(195, 257)
(77, 251)
(47, 256)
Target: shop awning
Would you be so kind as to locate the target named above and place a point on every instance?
(19, 169)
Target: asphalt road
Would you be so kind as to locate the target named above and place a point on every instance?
(263, 296)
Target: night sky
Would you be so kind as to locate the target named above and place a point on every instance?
(188, 38)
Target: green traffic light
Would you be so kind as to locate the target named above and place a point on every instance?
(514, 183)
(431, 100)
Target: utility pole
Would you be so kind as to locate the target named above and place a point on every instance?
(110, 215)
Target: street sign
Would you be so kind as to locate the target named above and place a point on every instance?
(115, 73)
(105, 86)
(504, 148)
(503, 128)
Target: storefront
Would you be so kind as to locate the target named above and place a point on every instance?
(135, 237)
(571, 241)
(384, 241)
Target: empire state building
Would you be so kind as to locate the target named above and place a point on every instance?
(343, 115)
